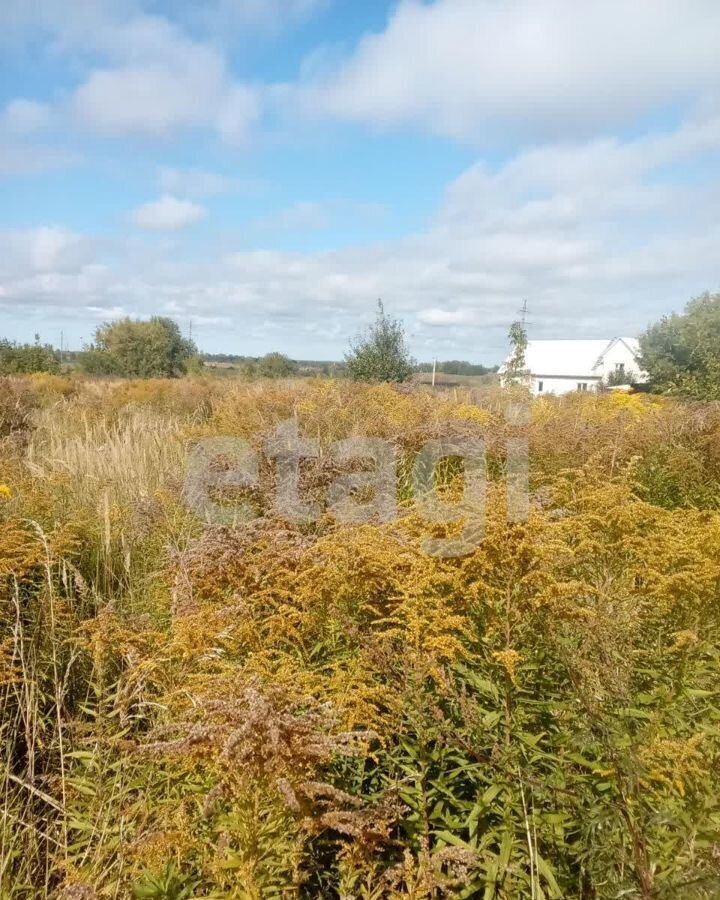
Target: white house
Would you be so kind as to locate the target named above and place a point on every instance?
(557, 367)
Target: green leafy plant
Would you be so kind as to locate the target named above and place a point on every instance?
(169, 884)
(381, 353)
(139, 349)
(681, 353)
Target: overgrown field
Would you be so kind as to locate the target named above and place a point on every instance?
(324, 710)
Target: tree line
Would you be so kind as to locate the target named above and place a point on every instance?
(680, 353)
(156, 348)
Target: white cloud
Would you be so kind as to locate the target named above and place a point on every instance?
(22, 117)
(162, 81)
(441, 317)
(143, 100)
(168, 214)
(237, 112)
(20, 122)
(155, 102)
(197, 183)
(145, 74)
(25, 159)
(479, 68)
(42, 250)
(562, 186)
(153, 79)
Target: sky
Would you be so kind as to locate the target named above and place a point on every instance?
(264, 170)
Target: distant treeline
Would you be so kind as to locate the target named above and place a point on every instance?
(238, 361)
(458, 367)
(680, 354)
(332, 367)
(97, 359)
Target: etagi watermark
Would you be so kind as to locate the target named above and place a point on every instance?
(223, 465)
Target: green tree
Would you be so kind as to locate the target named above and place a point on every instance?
(20, 359)
(681, 352)
(458, 367)
(381, 354)
(139, 349)
(516, 371)
(618, 376)
(275, 365)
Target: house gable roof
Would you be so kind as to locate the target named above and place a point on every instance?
(573, 358)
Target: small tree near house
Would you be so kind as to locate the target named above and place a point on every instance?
(516, 371)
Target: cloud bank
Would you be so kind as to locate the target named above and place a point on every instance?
(593, 193)
(591, 233)
(478, 68)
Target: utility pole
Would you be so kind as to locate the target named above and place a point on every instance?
(433, 375)
(524, 312)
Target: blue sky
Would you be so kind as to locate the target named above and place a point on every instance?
(268, 168)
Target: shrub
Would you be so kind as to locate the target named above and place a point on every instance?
(381, 354)
(138, 349)
(16, 359)
(275, 365)
(681, 353)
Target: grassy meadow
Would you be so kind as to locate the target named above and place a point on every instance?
(324, 710)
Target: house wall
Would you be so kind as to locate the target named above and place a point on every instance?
(620, 354)
(560, 385)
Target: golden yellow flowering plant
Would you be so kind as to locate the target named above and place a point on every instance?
(320, 708)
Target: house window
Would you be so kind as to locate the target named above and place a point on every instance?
(582, 385)
(540, 387)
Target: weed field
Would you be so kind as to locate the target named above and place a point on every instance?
(323, 709)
